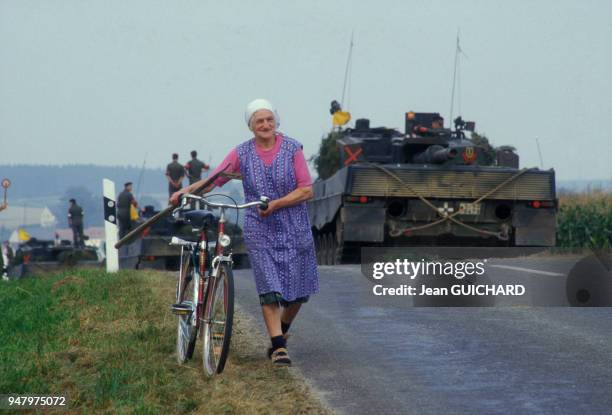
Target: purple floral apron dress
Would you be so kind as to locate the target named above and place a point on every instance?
(280, 246)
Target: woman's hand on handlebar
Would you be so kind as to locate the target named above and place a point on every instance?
(176, 197)
(273, 205)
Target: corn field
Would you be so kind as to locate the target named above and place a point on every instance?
(585, 220)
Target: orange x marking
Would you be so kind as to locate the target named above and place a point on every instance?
(352, 157)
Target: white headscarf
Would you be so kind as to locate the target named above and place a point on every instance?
(260, 104)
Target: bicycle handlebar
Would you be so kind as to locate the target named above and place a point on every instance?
(262, 202)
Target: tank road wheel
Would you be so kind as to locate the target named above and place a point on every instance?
(329, 249)
(317, 242)
(339, 254)
(324, 249)
(321, 238)
(334, 250)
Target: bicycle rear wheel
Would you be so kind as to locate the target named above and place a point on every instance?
(218, 320)
(186, 331)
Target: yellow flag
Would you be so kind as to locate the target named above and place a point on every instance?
(341, 118)
(23, 235)
(133, 213)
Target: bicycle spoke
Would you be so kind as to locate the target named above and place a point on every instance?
(186, 332)
(219, 322)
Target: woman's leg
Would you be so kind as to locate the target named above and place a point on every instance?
(290, 312)
(278, 351)
(272, 317)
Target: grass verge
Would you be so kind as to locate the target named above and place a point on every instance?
(108, 340)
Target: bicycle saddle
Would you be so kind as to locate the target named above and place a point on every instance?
(200, 218)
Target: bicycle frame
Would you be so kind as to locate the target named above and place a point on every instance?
(211, 311)
(198, 262)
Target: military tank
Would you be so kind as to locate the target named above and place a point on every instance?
(37, 256)
(153, 250)
(428, 185)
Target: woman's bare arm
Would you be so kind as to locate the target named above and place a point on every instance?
(299, 195)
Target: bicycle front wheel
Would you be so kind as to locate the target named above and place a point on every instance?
(218, 320)
(186, 331)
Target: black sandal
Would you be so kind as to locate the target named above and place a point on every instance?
(280, 357)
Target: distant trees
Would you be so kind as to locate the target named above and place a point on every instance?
(33, 181)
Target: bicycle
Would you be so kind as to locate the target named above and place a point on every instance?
(205, 303)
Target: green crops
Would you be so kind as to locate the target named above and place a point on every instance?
(585, 220)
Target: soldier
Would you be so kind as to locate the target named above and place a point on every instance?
(194, 172)
(194, 168)
(437, 123)
(75, 220)
(175, 173)
(124, 201)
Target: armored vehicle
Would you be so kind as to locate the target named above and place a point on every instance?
(427, 185)
(153, 249)
(38, 256)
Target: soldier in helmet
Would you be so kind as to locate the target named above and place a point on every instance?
(175, 173)
(75, 220)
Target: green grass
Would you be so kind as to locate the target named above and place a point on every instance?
(108, 342)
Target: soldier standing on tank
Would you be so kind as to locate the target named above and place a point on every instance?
(75, 220)
(194, 168)
(124, 202)
(175, 173)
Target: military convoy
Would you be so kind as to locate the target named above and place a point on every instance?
(153, 250)
(428, 185)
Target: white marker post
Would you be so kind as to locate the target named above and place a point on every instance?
(110, 225)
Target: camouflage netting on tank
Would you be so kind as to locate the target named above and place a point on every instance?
(327, 159)
(490, 151)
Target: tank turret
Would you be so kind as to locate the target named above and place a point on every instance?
(425, 141)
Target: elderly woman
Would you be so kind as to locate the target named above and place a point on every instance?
(278, 240)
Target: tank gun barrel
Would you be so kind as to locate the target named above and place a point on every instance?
(435, 155)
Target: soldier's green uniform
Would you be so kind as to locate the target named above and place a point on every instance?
(176, 172)
(124, 201)
(75, 216)
(194, 170)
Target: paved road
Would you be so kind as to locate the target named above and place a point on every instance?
(371, 354)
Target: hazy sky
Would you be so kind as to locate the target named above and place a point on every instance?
(105, 82)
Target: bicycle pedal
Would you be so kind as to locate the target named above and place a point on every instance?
(181, 309)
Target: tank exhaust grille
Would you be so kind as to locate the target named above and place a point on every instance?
(452, 184)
